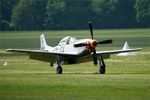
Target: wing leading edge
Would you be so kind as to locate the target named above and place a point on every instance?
(116, 51)
(43, 55)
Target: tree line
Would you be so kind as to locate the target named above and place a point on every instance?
(73, 14)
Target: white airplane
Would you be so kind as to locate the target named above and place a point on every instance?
(72, 51)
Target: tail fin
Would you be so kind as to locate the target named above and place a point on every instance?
(43, 42)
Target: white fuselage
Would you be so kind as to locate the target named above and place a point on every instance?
(66, 45)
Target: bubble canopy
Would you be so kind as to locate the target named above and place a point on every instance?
(67, 40)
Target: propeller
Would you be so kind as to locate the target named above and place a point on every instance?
(93, 43)
(91, 28)
(97, 42)
(80, 45)
(105, 41)
(94, 50)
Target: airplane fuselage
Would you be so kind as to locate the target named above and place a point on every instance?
(67, 45)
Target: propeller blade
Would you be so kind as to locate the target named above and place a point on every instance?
(94, 57)
(80, 45)
(105, 42)
(91, 28)
(94, 50)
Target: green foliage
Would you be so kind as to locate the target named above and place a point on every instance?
(81, 12)
(0, 17)
(114, 13)
(67, 14)
(55, 9)
(143, 12)
(73, 14)
(6, 7)
(29, 15)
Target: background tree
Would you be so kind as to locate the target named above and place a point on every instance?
(0, 17)
(77, 14)
(6, 7)
(73, 14)
(68, 14)
(55, 9)
(114, 13)
(143, 12)
(29, 15)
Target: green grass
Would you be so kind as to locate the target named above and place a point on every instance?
(29, 39)
(127, 78)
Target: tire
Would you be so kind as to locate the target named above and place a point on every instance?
(102, 70)
(59, 70)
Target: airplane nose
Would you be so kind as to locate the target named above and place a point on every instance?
(93, 43)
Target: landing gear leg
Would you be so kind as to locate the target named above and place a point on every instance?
(102, 66)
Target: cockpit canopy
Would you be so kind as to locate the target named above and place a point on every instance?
(67, 40)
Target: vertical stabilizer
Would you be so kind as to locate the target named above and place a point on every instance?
(43, 42)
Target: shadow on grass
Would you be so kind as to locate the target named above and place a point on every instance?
(103, 74)
(86, 73)
(70, 73)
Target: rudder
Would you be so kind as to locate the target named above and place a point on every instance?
(43, 42)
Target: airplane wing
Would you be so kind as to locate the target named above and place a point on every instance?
(105, 54)
(116, 51)
(43, 55)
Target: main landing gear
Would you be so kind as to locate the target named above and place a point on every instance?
(102, 66)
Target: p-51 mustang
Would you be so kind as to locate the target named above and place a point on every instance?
(72, 51)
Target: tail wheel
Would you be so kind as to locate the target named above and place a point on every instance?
(59, 70)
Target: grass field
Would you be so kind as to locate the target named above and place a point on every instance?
(127, 78)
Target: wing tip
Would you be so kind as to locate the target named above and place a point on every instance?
(139, 48)
(8, 49)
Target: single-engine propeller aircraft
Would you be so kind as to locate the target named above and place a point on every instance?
(72, 51)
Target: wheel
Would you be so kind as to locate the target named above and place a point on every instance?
(59, 70)
(51, 64)
(102, 66)
(102, 70)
